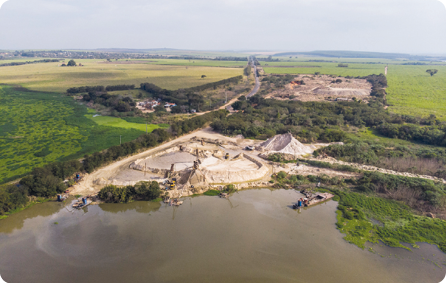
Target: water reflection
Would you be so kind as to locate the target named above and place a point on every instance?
(138, 206)
(17, 220)
(252, 237)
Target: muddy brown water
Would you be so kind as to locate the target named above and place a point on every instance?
(252, 237)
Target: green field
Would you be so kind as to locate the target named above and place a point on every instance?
(411, 90)
(49, 77)
(37, 128)
(323, 68)
(414, 92)
(120, 123)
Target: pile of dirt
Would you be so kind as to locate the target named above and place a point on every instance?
(284, 144)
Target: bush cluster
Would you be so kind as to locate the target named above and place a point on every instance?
(117, 102)
(100, 88)
(141, 191)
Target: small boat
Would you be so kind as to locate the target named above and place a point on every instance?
(82, 203)
(177, 202)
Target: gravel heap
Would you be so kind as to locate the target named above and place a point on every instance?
(285, 144)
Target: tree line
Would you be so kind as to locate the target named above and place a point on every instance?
(99, 88)
(29, 62)
(432, 135)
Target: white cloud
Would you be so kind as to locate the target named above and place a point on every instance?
(2, 2)
(444, 2)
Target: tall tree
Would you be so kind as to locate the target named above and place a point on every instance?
(71, 63)
(432, 72)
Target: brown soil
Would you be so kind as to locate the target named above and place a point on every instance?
(321, 88)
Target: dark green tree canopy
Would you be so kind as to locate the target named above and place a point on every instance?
(71, 63)
(432, 72)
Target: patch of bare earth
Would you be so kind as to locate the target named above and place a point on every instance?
(324, 88)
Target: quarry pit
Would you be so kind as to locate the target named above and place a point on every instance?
(201, 161)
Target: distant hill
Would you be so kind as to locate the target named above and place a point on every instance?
(129, 50)
(359, 54)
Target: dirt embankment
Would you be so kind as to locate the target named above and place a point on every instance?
(324, 88)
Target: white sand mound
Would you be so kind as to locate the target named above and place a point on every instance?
(285, 144)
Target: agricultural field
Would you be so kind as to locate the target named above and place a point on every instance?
(356, 69)
(120, 123)
(192, 62)
(411, 90)
(49, 77)
(414, 92)
(38, 128)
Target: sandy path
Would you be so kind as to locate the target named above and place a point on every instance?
(87, 185)
(378, 169)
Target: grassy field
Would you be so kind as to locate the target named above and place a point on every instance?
(120, 123)
(414, 92)
(49, 77)
(207, 63)
(411, 90)
(37, 128)
(323, 68)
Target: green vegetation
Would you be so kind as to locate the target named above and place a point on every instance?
(141, 191)
(414, 159)
(39, 128)
(12, 202)
(212, 193)
(121, 123)
(397, 223)
(414, 92)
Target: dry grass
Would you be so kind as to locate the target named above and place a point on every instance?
(52, 78)
(422, 166)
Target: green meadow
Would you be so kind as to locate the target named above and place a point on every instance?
(411, 90)
(37, 128)
(120, 123)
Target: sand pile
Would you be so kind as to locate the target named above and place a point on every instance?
(285, 144)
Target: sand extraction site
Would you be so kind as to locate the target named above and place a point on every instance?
(324, 88)
(198, 162)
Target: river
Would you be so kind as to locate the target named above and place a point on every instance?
(252, 237)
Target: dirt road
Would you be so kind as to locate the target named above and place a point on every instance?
(257, 84)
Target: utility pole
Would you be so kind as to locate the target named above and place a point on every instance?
(120, 139)
(226, 95)
(146, 127)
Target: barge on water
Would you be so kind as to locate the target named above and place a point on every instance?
(312, 199)
(84, 202)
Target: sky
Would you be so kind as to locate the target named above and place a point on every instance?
(408, 26)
